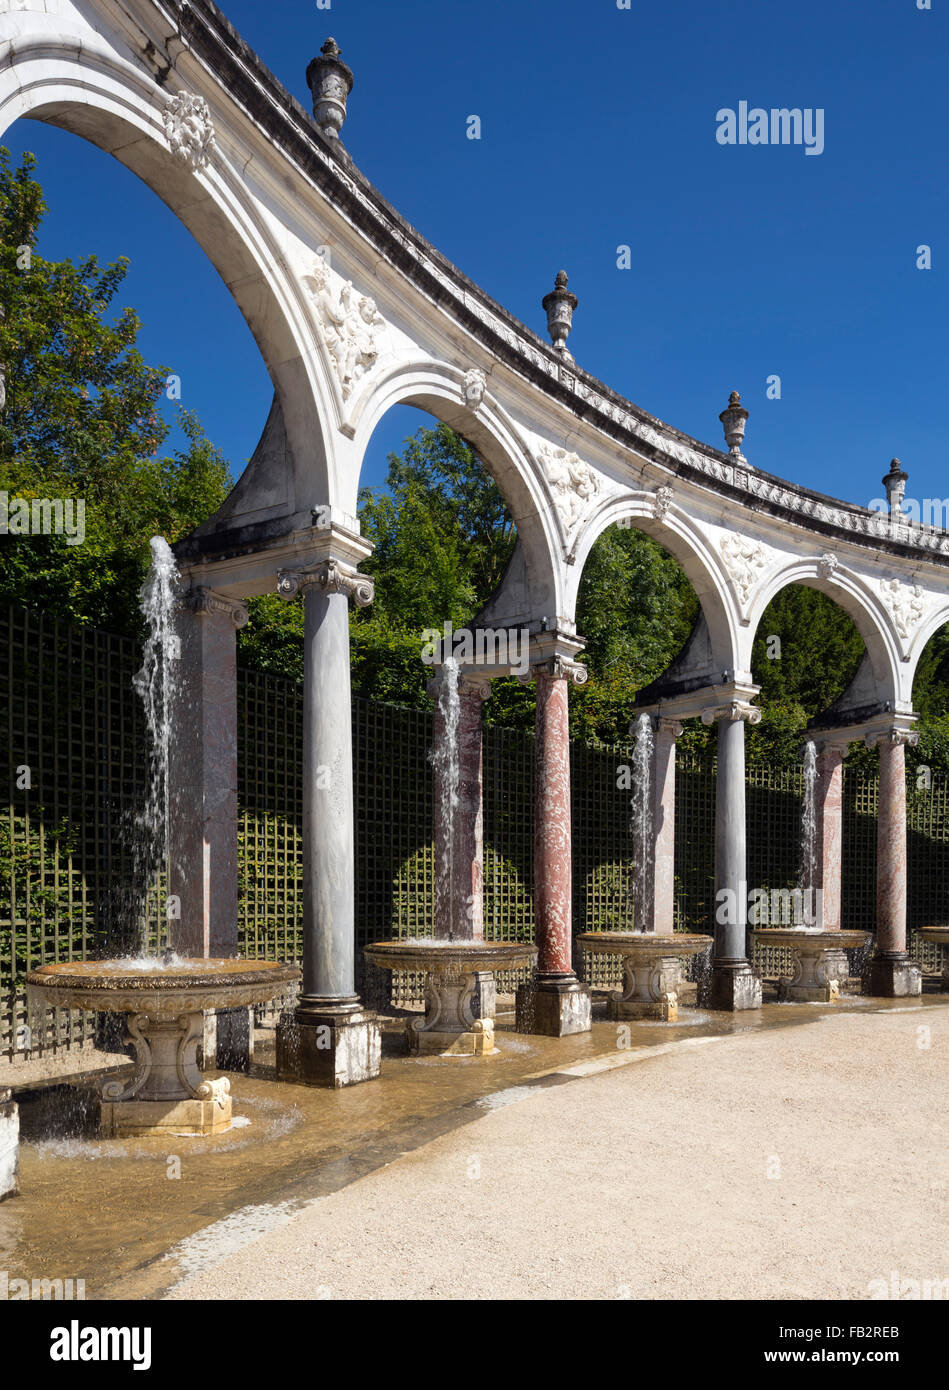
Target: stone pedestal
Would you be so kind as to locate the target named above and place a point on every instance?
(650, 989)
(335, 1044)
(817, 977)
(733, 985)
(166, 1093)
(892, 974)
(554, 1006)
(9, 1146)
(450, 1026)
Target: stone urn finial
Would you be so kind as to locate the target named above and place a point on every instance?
(895, 483)
(559, 306)
(330, 81)
(734, 418)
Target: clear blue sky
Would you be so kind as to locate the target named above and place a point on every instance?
(599, 129)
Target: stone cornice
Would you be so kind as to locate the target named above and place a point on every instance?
(234, 66)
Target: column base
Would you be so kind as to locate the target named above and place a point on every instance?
(733, 986)
(554, 1006)
(892, 975)
(330, 1043)
(124, 1119)
(228, 1040)
(9, 1146)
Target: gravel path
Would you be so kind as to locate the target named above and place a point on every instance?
(803, 1162)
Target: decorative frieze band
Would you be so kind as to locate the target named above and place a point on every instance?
(331, 577)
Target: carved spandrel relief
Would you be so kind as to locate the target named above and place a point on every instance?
(573, 483)
(906, 604)
(189, 129)
(351, 325)
(744, 558)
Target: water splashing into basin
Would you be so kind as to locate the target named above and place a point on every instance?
(642, 826)
(809, 819)
(444, 758)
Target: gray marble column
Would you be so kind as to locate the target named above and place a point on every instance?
(331, 1039)
(734, 984)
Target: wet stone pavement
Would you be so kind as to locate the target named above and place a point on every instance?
(115, 1212)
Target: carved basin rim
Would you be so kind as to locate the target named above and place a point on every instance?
(182, 987)
(451, 957)
(802, 936)
(633, 943)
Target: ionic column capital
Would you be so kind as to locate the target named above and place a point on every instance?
(732, 710)
(331, 577)
(895, 736)
(837, 747)
(473, 685)
(203, 601)
(672, 728)
(557, 668)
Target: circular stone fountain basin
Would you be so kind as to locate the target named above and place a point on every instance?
(652, 969)
(820, 960)
(165, 1002)
(449, 1026)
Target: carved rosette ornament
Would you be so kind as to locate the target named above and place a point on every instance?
(906, 604)
(732, 710)
(743, 558)
(332, 577)
(202, 600)
(189, 129)
(572, 482)
(474, 387)
(351, 326)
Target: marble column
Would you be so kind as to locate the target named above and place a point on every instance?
(555, 1003)
(892, 974)
(202, 785)
(734, 983)
(664, 826)
(331, 1040)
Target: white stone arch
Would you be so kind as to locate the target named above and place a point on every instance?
(55, 69)
(924, 635)
(438, 388)
(677, 532)
(851, 592)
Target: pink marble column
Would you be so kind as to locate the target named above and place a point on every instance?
(830, 811)
(664, 826)
(891, 846)
(552, 841)
(555, 1003)
(892, 974)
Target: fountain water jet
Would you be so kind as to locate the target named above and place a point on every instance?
(652, 961)
(455, 963)
(820, 957)
(164, 998)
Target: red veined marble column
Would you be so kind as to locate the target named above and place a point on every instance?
(892, 973)
(830, 759)
(555, 1004)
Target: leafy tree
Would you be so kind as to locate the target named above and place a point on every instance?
(82, 420)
